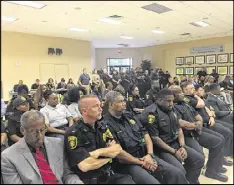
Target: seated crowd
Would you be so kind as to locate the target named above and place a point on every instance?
(133, 127)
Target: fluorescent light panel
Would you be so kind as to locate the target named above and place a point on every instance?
(110, 21)
(126, 37)
(78, 29)
(8, 19)
(200, 23)
(28, 3)
(158, 31)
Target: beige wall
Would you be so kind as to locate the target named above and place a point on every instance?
(162, 55)
(31, 51)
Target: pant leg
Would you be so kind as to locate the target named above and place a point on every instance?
(193, 143)
(225, 124)
(169, 174)
(228, 119)
(121, 179)
(214, 142)
(228, 136)
(139, 174)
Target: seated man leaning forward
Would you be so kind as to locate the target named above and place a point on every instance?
(36, 159)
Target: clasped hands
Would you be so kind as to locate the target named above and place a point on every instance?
(148, 163)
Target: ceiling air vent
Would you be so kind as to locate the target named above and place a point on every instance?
(185, 34)
(124, 45)
(156, 8)
(115, 17)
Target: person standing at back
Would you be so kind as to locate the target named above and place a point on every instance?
(84, 81)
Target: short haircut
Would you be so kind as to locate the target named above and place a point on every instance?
(111, 97)
(214, 86)
(22, 89)
(29, 116)
(62, 80)
(82, 99)
(174, 89)
(183, 85)
(107, 84)
(131, 88)
(164, 92)
(74, 94)
(47, 93)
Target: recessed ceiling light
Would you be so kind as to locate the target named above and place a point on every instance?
(110, 21)
(126, 37)
(200, 24)
(8, 19)
(158, 31)
(28, 3)
(78, 29)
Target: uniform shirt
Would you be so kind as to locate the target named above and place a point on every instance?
(161, 124)
(74, 110)
(13, 126)
(55, 116)
(127, 131)
(150, 97)
(135, 102)
(80, 139)
(34, 86)
(84, 79)
(202, 111)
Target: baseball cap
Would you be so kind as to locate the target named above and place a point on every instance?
(18, 101)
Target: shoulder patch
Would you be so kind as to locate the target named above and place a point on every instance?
(132, 121)
(147, 96)
(102, 103)
(175, 115)
(107, 134)
(23, 98)
(151, 118)
(73, 142)
(186, 99)
(130, 98)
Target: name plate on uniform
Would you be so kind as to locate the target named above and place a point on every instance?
(207, 49)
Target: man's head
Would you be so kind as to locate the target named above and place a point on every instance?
(74, 95)
(37, 81)
(20, 82)
(51, 98)
(213, 71)
(178, 94)
(171, 80)
(133, 90)
(109, 86)
(187, 88)
(155, 85)
(21, 104)
(165, 100)
(215, 89)
(115, 102)
(33, 128)
(84, 71)
(199, 91)
(90, 108)
(22, 90)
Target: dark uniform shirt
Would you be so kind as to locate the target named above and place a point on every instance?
(128, 132)
(13, 127)
(186, 112)
(150, 97)
(34, 86)
(164, 125)
(80, 139)
(202, 111)
(135, 102)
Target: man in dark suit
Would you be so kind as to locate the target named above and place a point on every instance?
(221, 109)
(36, 159)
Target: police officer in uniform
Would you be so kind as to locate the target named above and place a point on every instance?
(208, 119)
(197, 136)
(89, 147)
(162, 124)
(151, 94)
(137, 146)
(20, 105)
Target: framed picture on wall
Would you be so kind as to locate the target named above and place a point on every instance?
(179, 71)
(189, 70)
(179, 60)
(211, 59)
(222, 70)
(222, 58)
(189, 60)
(200, 59)
(197, 69)
(231, 70)
(209, 69)
(231, 57)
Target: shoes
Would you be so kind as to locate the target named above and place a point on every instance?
(223, 170)
(217, 176)
(227, 162)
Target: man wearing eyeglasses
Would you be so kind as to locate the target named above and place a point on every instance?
(36, 159)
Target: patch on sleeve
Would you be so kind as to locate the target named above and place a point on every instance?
(132, 121)
(73, 142)
(23, 98)
(186, 99)
(151, 118)
(107, 134)
(175, 115)
(147, 96)
(130, 98)
(103, 102)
